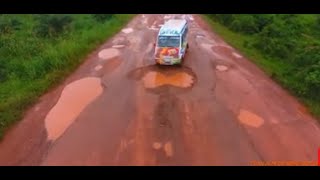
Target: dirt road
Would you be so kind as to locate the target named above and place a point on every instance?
(119, 108)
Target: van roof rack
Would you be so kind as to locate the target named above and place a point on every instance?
(173, 27)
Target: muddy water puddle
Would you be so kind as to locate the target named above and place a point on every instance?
(250, 119)
(154, 77)
(74, 98)
(109, 53)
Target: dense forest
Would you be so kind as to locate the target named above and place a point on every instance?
(286, 46)
(38, 51)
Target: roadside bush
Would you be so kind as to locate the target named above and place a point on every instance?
(52, 25)
(287, 46)
(273, 41)
(307, 62)
(225, 19)
(262, 20)
(8, 26)
(312, 80)
(308, 55)
(3, 73)
(102, 17)
(245, 24)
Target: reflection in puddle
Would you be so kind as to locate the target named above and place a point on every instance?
(74, 98)
(250, 119)
(155, 79)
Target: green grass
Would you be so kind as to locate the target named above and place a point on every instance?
(33, 65)
(274, 67)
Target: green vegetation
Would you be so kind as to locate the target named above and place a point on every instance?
(286, 46)
(38, 51)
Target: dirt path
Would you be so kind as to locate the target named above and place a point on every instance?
(119, 108)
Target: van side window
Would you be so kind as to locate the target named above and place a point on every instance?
(184, 35)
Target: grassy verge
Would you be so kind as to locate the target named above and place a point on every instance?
(275, 68)
(32, 65)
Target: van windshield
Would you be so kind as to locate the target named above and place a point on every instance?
(169, 41)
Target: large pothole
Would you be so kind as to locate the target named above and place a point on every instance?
(74, 98)
(164, 77)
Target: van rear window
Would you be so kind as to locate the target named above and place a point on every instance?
(169, 41)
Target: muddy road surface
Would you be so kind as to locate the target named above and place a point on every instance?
(119, 108)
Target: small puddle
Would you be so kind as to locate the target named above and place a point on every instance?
(74, 98)
(127, 30)
(200, 36)
(108, 53)
(118, 46)
(250, 119)
(97, 68)
(157, 145)
(168, 149)
(221, 68)
(236, 55)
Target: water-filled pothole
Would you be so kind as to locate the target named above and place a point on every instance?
(155, 79)
(164, 77)
(127, 30)
(250, 119)
(74, 98)
(221, 68)
(108, 53)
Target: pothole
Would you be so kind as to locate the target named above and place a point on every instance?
(250, 119)
(157, 145)
(168, 149)
(236, 55)
(74, 98)
(222, 68)
(127, 30)
(108, 53)
(118, 46)
(156, 79)
(200, 36)
(98, 67)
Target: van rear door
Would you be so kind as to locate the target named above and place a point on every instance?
(168, 47)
